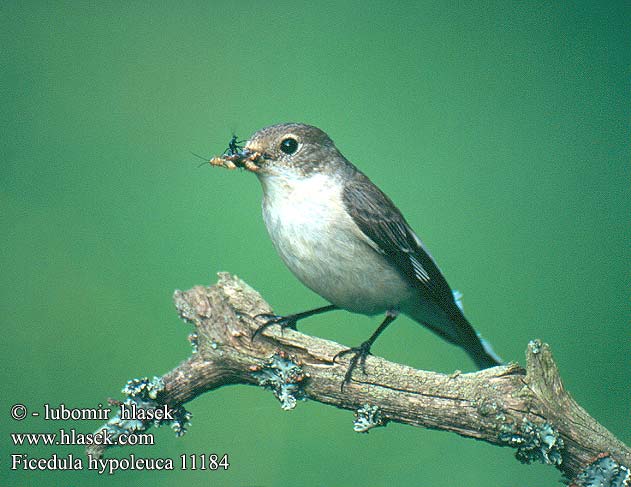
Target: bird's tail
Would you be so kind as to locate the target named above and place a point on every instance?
(487, 357)
(477, 347)
(456, 329)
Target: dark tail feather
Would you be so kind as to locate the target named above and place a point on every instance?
(456, 329)
(477, 347)
(488, 357)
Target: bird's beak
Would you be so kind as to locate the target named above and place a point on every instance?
(251, 146)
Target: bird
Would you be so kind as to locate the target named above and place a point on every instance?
(345, 239)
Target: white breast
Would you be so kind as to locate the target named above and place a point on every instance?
(323, 247)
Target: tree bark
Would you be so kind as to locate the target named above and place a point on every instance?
(527, 409)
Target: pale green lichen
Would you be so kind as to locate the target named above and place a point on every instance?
(193, 339)
(284, 377)
(535, 346)
(540, 443)
(368, 417)
(142, 394)
(144, 387)
(604, 472)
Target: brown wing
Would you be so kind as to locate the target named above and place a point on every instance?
(381, 221)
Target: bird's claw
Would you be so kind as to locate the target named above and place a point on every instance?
(359, 357)
(272, 319)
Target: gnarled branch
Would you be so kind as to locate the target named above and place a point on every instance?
(506, 406)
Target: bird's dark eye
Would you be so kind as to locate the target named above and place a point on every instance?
(289, 145)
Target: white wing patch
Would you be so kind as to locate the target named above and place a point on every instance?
(419, 270)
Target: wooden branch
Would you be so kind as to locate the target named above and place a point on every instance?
(506, 406)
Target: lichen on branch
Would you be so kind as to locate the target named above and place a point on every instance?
(527, 409)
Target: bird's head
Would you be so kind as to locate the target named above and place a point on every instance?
(293, 148)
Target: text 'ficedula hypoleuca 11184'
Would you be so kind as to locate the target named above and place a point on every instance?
(346, 240)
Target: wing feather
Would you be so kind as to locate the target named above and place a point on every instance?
(381, 221)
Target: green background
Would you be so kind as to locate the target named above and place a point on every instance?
(500, 129)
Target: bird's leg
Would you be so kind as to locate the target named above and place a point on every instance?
(361, 352)
(289, 321)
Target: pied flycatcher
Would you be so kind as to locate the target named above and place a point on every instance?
(347, 241)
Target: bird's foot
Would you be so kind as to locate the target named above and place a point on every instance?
(359, 358)
(289, 321)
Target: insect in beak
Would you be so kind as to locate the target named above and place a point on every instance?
(242, 158)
